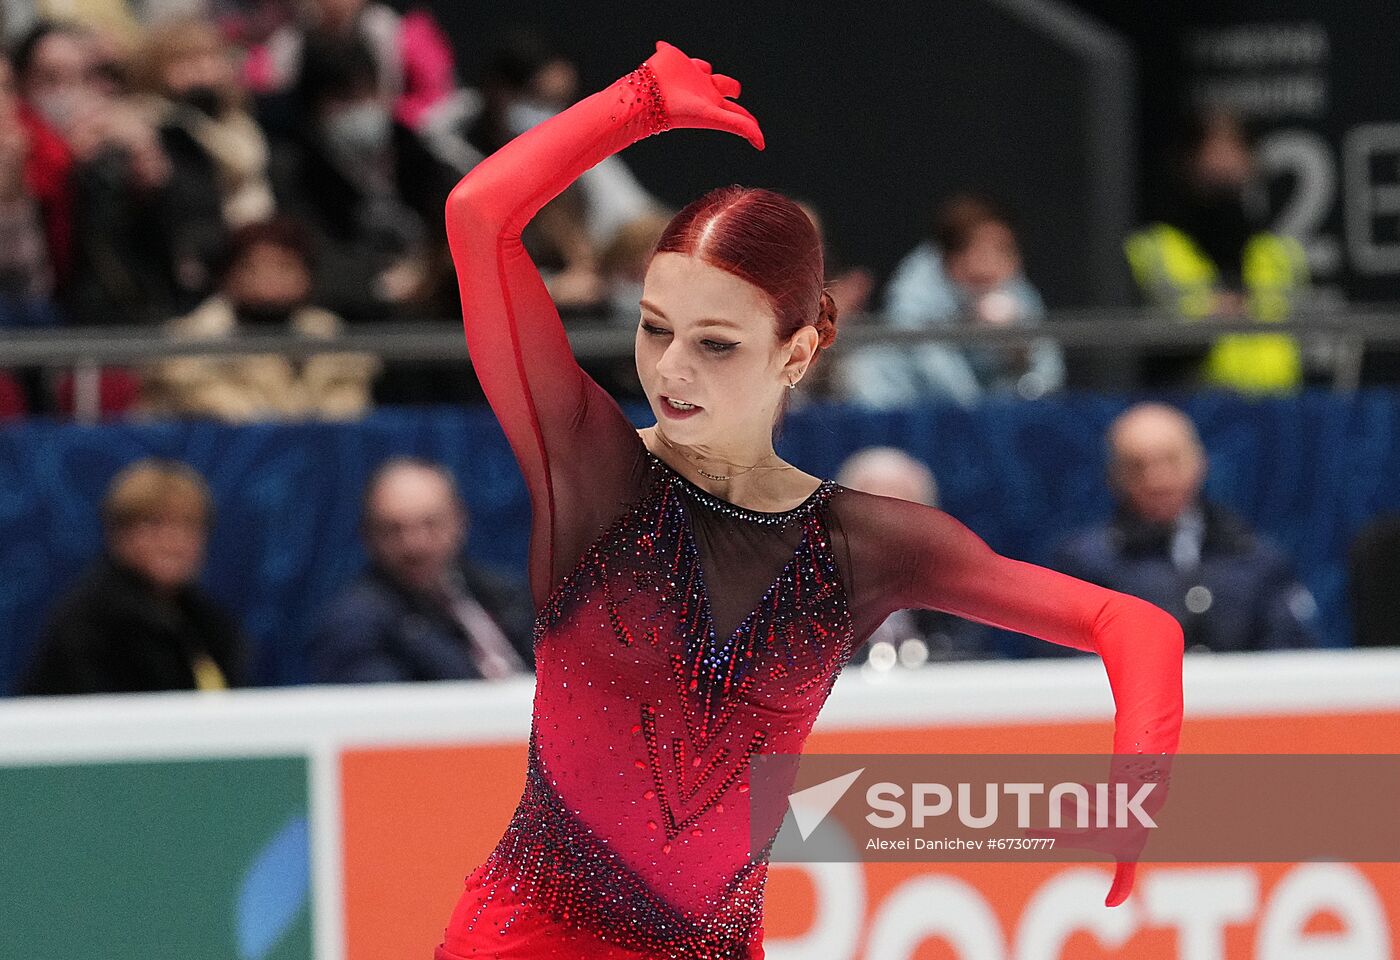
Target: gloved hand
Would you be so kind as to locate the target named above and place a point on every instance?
(696, 97)
(1123, 843)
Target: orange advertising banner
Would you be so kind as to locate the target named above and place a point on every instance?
(416, 820)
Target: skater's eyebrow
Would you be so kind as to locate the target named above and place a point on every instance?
(706, 322)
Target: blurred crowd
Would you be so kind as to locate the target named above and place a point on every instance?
(220, 171)
(282, 169)
(282, 165)
(138, 620)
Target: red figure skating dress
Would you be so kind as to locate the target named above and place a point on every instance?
(679, 634)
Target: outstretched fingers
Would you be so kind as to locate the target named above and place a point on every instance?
(727, 86)
(1122, 884)
(697, 96)
(742, 122)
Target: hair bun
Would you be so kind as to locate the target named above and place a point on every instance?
(826, 320)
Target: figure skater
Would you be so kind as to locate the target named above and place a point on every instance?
(697, 595)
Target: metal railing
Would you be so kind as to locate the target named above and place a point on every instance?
(1335, 338)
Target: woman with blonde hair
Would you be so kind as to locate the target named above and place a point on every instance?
(139, 621)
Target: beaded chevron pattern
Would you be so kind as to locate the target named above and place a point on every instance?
(638, 597)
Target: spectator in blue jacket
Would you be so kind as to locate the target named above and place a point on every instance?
(968, 273)
(1232, 589)
(420, 611)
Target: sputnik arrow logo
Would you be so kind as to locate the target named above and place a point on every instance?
(810, 806)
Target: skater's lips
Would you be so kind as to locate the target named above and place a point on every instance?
(665, 398)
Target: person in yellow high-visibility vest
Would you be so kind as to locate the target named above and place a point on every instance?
(1210, 258)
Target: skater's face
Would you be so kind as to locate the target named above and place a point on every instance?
(708, 339)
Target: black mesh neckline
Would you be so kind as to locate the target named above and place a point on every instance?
(733, 509)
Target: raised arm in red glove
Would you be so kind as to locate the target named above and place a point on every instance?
(565, 431)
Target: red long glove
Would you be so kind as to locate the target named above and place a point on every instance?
(566, 433)
(937, 562)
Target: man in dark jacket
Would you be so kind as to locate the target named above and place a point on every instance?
(420, 612)
(1231, 588)
(138, 621)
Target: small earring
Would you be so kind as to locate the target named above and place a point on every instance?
(792, 384)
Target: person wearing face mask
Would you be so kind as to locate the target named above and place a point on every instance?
(55, 65)
(218, 156)
(34, 227)
(414, 68)
(1210, 255)
(28, 253)
(527, 80)
(75, 79)
(265, 287)
(367, 188)
(120, 268)
(48, 160)
(968, 273)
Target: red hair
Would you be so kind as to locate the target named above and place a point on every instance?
(766, 239)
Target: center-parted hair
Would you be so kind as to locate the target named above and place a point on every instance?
(766, 239)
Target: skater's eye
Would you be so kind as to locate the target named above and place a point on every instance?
(718, 346)
(653, 330)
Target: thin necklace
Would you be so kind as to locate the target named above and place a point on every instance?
(714, 476)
